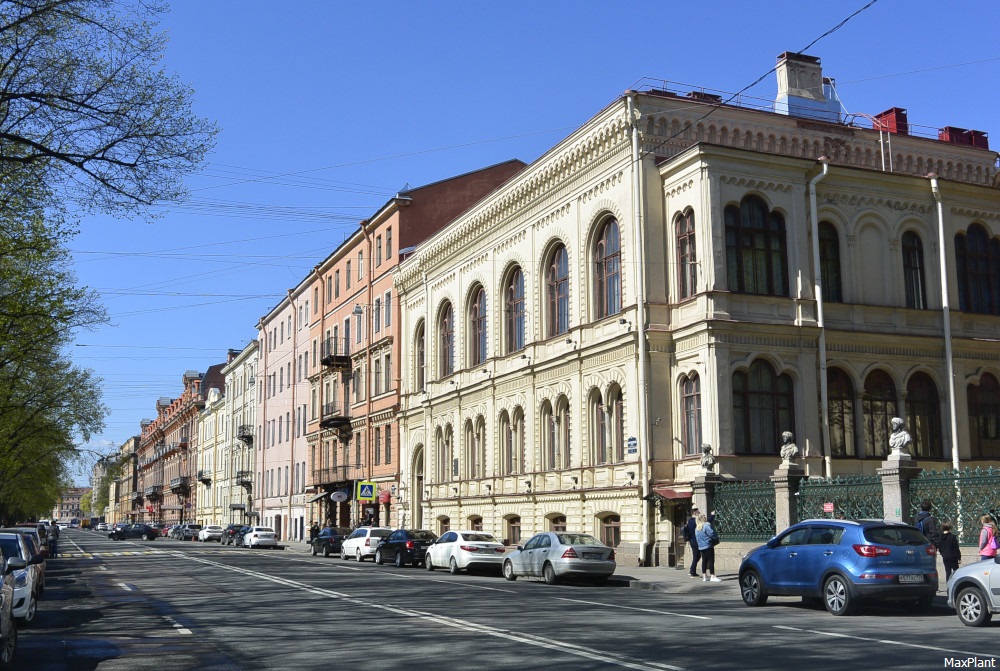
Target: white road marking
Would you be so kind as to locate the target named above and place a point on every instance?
(882, 641)
(177, 626)
(125, 587)
(607, 658)
(642, 610)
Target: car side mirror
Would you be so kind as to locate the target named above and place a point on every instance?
(520, 547)
(14, 564)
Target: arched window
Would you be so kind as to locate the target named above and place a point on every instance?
(762, 409)
(913, 271)
(519, 460)
(557, 523)
(513, 524)
(878, 408)
(563, 457)
(599, 427)
(829, 262)
(611, 530)
(549, 436)
(471, 451)
(608, 271)
(923, 410)
(557, 292)
(840, 397)
(514, 312)
(477, 330)
(616, 422)
(506, 445)
(984, 417)
(420, 360)
(691, 413)
(756, 258)
(687, 257)
(978, 261)
(446, 329)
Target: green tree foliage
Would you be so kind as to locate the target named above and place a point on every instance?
(45, 400)
(101, 496)
(86, 109)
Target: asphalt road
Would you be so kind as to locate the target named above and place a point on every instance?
(169, 605)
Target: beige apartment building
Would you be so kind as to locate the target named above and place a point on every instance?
(352, 361)
(689, 269)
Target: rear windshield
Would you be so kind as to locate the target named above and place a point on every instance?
(895, 536)
(479, 538)
(578, 539)
(423, 535)
(381, 533)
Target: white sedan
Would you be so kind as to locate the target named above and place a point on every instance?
(211, 532)
(260, 537)
(457, 550)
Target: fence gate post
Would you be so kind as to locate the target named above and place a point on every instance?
(703, 492)
(786, 480)
(896, 475)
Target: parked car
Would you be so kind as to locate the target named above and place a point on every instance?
(174, 531)
(134, 532)
(38, 556)
(38, 540)
(363, 542)
(8, 627)
(457, 550)
(405, 546)
(260, 537)
(102, 526)
(329, 540)
(842, 562)
(228, 532)
(238, 536)
(188, 532)
(553, 555)
(26, 580)
(974, 592)
(212, 532)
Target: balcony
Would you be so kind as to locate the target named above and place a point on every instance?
(184, 437)
(205, 477)
(137, 497)
(153, 492)
(336, 354)
(337, 474)
(180, 485)
(334, 416)
(245, 479)
(244, 433)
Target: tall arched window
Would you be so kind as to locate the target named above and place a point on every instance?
(687, 257)
(563, 458)
(608, 271)
(829, 262)
(978, 261)
(984, 417)
(599, 429)
(557, 292)
(506, 445)
(446, 329)
(923, 411)
(840, 397)
(762, 409)
(756, 258)
(913, 271)
(477, 330)
(471, 451)
(616, 422)
(514, 312)
(520, 459)
(878, 407)
(691, 401)
(420, 360)
(549, 436)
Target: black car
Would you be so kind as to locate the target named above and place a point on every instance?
(240, 533)
(228, 533)
(329, 540)
(134, 531)
(405, 546)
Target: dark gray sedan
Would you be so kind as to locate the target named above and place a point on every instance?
(554, 555)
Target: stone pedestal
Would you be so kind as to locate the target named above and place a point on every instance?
(896, 473)
(786, 481)
(703, 491)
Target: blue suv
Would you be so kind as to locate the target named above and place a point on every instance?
(842, 562)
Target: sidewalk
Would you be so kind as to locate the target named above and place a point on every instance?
(671, 579)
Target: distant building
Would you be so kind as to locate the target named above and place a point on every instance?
(68, 509)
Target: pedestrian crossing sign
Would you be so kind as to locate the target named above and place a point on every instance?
(366, 491)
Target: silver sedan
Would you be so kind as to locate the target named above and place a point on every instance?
(553, 555)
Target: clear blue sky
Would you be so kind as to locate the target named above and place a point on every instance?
(329, 108)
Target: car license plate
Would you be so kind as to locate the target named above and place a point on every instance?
(911, 578)
(593, 555)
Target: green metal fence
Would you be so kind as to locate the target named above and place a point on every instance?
(744, 511)
(854, 497)
(959, 498)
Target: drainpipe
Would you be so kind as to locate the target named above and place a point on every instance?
(946, 314)
(824, 400)
(637, 227)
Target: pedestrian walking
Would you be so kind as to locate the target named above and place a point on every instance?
(988, 538)
(313, 531)
(707, 540)
(52, 539)
(688, 532)
(927, 523)
(950, 553)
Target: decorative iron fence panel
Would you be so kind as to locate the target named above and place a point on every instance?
(856, 497)
(745, 510)
(959, 498)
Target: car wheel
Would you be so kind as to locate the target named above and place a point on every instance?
(971, 607)
(29, 616)
(837, 596)
(8, 649)
(343, 555)
(378, 557)
(752, 589)
(508, 571)
(357, 555)
(549, 573)
(453, 566)
(400, 563)
(428, 564)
